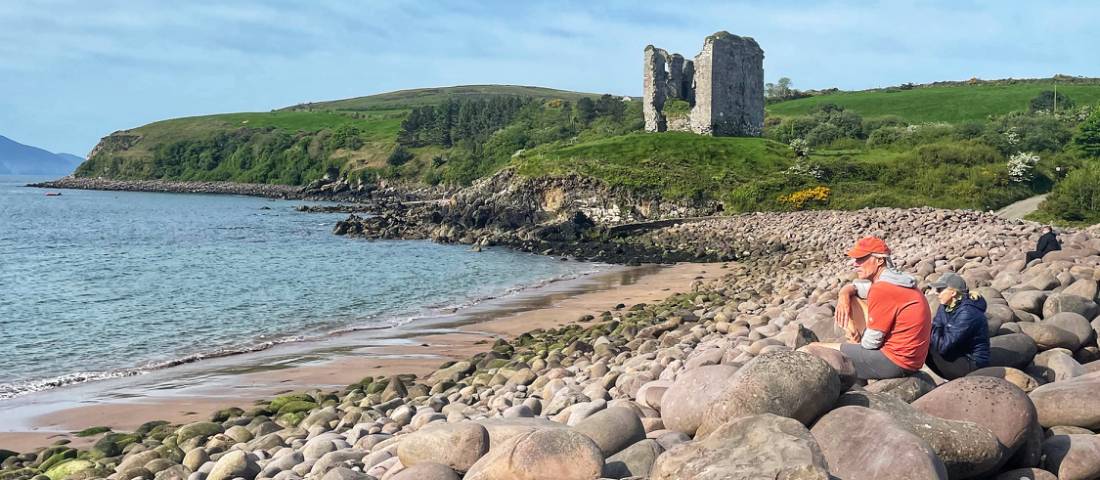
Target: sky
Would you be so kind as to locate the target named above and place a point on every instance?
(73, 71)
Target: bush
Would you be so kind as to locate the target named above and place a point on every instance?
(869, 126)
(1045, 102)
(811, 196)
(1022, 132)
(886, 136)
(1087, 138)
(399, 156)
(1077, 198)
(967, 154)
(823, 134)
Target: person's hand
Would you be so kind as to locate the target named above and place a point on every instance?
(855, 337)
(843, 312)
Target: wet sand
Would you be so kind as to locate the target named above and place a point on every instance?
(191, 392)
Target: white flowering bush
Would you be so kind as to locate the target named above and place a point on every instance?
(1021, 166)
(804, 169)
(801, 147)
(1012, 136)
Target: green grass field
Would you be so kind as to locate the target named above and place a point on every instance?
(674, 164)
(952, 104)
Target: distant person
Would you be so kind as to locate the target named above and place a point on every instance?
(960, 333)
(1048, 242)
(885, 318)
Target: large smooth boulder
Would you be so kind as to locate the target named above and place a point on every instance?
(1048, 336)
(1073, 323)
(906, 389)
(456, 445)
(502, 429)
(1084, 287)
(991, 402)
(1030, 301)
(547, 454)
(756, 446)
(633, 461)
(1055, 366)
(797, 385)
(1026, 382)
(966, 448)
(233, 464)
(1072, 457)
(861, 443)
(612, 429)
(1013, 350)
(1061, 302)
(685, 403)
(1074, 402)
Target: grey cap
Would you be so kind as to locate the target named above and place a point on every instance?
(951, 280)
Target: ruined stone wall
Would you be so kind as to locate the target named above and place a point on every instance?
(724, 87)
(729, 87)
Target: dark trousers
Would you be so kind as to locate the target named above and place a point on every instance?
(950, 369)
(1034, 254)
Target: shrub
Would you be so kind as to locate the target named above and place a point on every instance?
(1087, 138)
(1045, 102)
(885, 136)
(870, 125)
(1021, 166)
(958, 153)
(823, 134)
(399, 156)
(1077, 198)
(811, 196)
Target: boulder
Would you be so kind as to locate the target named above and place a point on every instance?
(1013, 350)
(966, 448)
(651, 393)
(547, 454)
(1072, 457)
(233, 464)
(456, 445)
(612, 429)
(694, 391)
(1026, 382)
(1030, 301)
(859, 442)
(790, 384)
(997, 314)
(843, 366)
(755, 446)
(1055, 366)
(502, 429)
(1073, 323)
(1085, 288)
(633, 461)
(906, 389)
(1047, 336)
(1074, 402)
(991, 402)
(426, 471)
(1061, 302)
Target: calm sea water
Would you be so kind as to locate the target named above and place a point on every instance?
(100, 284)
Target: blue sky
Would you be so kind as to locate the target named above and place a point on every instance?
(74, 71)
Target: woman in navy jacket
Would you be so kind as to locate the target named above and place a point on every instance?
(960, 333)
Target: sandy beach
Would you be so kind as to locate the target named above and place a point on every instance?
(192, 392)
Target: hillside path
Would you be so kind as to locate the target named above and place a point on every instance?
(1023, 207)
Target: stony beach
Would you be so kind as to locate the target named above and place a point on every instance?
(715, 382)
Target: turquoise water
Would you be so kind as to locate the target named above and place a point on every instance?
(100, 284)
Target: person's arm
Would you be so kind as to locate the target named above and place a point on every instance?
(948, 335)
(1044, 243)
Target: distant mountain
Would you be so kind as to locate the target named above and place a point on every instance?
(19, 159)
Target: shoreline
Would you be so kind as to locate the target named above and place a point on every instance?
(193, 391)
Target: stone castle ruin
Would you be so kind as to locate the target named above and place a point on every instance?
(720, 93)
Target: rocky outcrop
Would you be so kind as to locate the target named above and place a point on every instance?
(722, 90)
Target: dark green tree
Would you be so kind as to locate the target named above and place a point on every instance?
(1045, 102)
(1087, 138)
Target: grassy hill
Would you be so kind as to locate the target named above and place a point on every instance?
(418, 97)
(952, 104)
(941, 145)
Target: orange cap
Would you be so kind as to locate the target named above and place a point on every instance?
(867, 246)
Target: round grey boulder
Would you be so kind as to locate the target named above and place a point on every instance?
(456, 445)
(991, 402)
(1061, 302)
(541, 454)
(1025, 382)
(685, 403)
(233, 464)
(633, 461)
(613, 429)
(756, 446)
(1013, 350)
(426, 471)
(1074, 402)
(1048, 336)
(797, 385)
(1073, 323)
(1072, 457)
(859, 442)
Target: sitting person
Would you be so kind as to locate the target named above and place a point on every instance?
(960, 334)
(885, 318)
(1048, 242)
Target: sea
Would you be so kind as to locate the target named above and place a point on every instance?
(98, 284)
